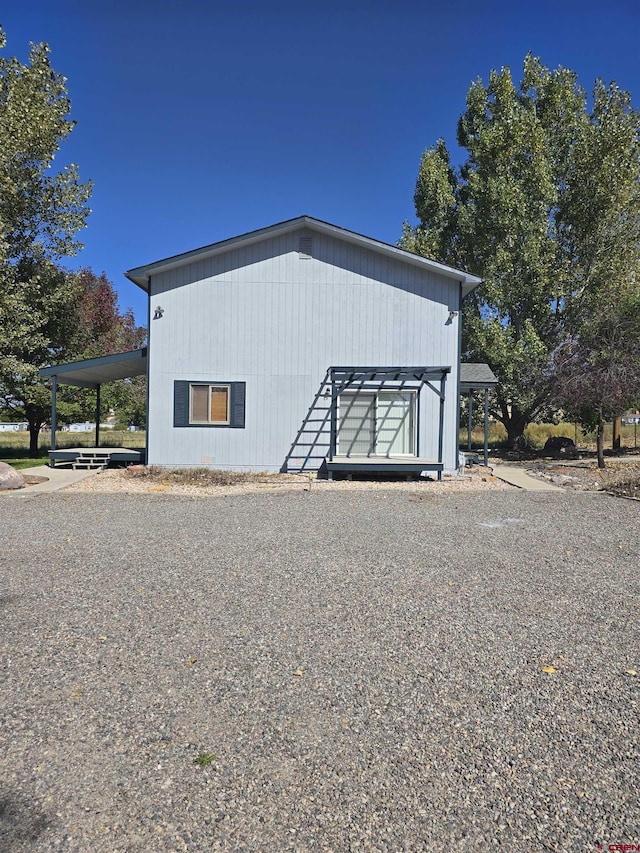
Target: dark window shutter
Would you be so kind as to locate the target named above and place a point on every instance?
(238, 395)
(180, 403)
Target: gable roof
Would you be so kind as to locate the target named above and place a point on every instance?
(140, 275)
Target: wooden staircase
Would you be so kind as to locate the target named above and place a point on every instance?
(91, 461)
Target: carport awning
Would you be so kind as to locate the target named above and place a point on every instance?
(475, 377)
(478, 377)
(93, 372)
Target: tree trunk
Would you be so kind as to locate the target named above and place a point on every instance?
(617, 432)
(515, 424)
(600, 439)
(34, 435)
(36, 417)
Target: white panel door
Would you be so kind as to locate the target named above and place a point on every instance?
(395, 434)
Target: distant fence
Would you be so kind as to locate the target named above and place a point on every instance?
(86, 427)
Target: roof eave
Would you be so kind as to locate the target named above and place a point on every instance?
(91, 372)
(140, 275)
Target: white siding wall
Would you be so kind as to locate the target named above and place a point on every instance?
(264, 315)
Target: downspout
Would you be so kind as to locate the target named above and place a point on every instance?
(146, 429)
(457, 423)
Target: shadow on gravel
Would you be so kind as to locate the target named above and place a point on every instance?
(21, 822)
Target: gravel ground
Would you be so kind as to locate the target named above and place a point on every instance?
(366, 667)
(621, 476)
(127, 480)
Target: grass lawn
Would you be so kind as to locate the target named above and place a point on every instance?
(537, 434)
(22, 462)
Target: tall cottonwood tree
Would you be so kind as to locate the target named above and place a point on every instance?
(597, 368)
(41, 212)
(545, 209)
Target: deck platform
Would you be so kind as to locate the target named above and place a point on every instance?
(94, 456)
(383, 465)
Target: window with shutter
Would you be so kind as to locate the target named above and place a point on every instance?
(200, 404)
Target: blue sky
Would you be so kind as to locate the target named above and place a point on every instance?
(201, 120)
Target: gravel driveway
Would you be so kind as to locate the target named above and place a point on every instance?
(366, 667)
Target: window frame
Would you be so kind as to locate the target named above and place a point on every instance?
(375, 422)
(209, 386)
(236, 404)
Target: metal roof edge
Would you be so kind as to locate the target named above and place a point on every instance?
(84, 363)
(476, 374)
(140, 275)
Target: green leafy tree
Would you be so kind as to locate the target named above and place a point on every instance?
(532, 211)
(597, 369)
(41, 212)
(90, 325)
(598, 219)
(50, 299)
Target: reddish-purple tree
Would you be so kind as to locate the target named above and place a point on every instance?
(597, 373)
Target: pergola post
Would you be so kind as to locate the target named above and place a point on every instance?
(54, 414)
(333, 422)
(97, 416)
(443, 379)
(469, 424)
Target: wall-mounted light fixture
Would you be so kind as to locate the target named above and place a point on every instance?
(158, 313)
(453, 315)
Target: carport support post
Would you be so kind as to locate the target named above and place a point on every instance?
(54, 415)
(97, 416)
(486, 427)
(470, 417)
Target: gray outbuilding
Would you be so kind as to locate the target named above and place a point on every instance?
(303, 346)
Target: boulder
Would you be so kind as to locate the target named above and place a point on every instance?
(10, 478)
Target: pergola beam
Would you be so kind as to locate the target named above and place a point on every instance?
(378, 378)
